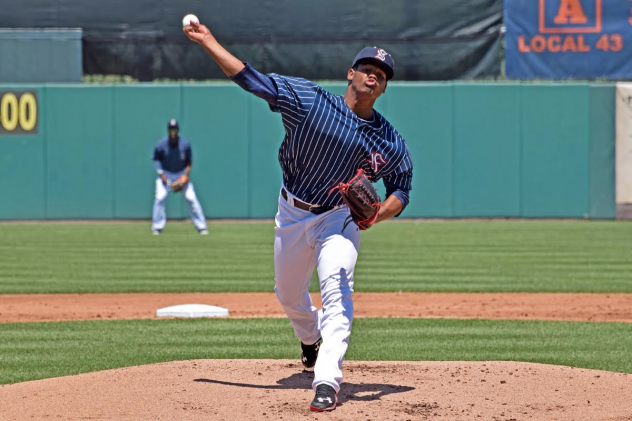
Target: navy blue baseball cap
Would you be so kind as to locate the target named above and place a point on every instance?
(378, 56)
(173, 124)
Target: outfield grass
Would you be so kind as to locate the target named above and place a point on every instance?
(453, 256)
(30, 351)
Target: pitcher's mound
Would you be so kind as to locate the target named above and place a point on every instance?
(277, 389)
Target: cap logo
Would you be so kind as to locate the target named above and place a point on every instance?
(381, 54)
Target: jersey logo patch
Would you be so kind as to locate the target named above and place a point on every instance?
(381, 54)
(376, 161)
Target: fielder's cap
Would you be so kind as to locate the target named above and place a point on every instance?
(378, 56)
(173, 124)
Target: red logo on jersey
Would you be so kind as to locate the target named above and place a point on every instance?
(381, 54)
(376, 161)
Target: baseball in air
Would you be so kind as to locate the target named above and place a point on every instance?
(188, 19)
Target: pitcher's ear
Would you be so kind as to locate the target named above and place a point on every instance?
(350, 74)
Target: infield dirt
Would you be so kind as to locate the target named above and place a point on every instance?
(517, 306)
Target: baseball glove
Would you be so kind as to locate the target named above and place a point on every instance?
(362, 199)
(179, 184)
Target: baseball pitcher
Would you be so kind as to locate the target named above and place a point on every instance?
(334, 147)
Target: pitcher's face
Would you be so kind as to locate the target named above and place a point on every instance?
(368, 79)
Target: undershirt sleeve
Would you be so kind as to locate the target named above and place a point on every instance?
(257, 84)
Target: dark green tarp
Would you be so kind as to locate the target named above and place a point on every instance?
(430, 40)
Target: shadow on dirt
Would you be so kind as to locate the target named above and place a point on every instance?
(303, 380)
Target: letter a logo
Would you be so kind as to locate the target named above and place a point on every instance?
(570, 11)
(570, 16)
(376, 161)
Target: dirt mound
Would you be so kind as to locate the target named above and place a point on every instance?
(276, 389)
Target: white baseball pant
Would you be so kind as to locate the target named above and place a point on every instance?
(159, 218)
(303, 241)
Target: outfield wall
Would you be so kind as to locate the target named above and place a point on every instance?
(480, 150)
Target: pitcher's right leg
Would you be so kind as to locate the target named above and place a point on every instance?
(293, 268)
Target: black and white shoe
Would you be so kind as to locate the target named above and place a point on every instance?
(309, 353)
(326, 399)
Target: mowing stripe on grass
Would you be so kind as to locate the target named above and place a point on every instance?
(453, 256)
(30, 351)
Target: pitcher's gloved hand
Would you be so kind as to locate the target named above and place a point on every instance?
(362, 199)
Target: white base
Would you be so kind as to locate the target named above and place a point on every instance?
(192, 310)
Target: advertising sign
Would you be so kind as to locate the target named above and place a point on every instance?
(563, 39)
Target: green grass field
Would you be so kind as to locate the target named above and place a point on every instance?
(459, 256)
(455, 256)
(31, 351)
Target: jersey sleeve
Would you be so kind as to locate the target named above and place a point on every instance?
(290, 96)
(188, 155)
(257, 84)
(295, 99)
(395, 185)
(398, 182)
(157, 156)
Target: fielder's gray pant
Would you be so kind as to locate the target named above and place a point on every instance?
(159, 219)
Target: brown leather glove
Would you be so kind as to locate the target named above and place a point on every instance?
(179, 184)
(362, 199)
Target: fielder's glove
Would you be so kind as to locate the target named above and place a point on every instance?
(362, 199)
(179, 184)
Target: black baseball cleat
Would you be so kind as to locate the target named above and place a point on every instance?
(326, 399)
(310, 353)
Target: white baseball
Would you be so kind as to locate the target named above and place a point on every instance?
(188, 19)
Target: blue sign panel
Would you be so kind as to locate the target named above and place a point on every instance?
(562, 39)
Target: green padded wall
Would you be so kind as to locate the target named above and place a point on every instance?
(487, 150)
(602, 152)
(23, 168)
(79, 160)
(479, 150)
(555, 140)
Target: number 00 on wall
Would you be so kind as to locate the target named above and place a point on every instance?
(18, 112)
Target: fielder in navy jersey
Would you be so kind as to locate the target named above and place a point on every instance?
(327, 139)
(173, 160)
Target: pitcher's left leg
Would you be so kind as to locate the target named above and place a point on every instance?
(195, 209)
(337, 253)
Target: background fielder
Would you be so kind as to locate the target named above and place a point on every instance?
(173, 160)
(328, 138)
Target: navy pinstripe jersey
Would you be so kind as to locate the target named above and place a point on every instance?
(326, 142)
